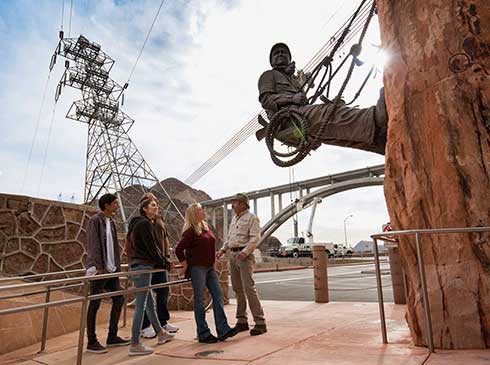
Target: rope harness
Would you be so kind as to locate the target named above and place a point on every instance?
(293, 117)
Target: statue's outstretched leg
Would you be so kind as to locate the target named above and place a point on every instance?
(361, 128)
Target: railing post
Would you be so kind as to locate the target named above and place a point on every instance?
(125, 307)
(379, 284)
(83, 321)
(45, 321)
(425, 296)
(320, 274)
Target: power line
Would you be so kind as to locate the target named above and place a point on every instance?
(146, 40)
(46, 149)
(243, 134)
(62, 12)
(35, 134)
(69, 23)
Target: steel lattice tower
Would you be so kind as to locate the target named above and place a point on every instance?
(113, 162)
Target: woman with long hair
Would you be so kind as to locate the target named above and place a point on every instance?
(146, 255)
(196, 252)
(161, 294)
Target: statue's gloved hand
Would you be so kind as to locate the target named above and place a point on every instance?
(299, 99)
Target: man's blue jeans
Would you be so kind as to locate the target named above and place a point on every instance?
(144, 301)
(202, 277)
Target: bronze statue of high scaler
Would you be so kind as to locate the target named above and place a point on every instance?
(361, 128)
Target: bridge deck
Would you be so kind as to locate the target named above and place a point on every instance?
(372, 171)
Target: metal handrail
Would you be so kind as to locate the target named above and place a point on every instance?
(77, 279)
(43, 291)
(47, 274)
(28, 308)
(85, 299)
(420, 263)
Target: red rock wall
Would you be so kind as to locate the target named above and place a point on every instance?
(437, 89)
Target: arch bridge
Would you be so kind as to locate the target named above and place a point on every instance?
(324, 186)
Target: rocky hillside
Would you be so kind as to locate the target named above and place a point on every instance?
(181, 194)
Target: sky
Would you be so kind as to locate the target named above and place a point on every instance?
(194, 87)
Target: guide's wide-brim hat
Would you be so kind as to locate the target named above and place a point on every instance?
(241, 198)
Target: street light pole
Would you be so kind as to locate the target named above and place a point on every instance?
(345, 229)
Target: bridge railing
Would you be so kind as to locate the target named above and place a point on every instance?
(392, 237)
(50, 286)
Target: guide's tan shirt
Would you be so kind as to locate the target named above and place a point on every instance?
(244, 231)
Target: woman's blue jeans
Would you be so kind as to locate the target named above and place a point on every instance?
(161, 299)
(202, 277)
(144, 301)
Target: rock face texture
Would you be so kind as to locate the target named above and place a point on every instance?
(437, 88)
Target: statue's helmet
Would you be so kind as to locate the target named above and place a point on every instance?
(279, 45)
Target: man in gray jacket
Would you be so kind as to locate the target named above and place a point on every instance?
(243, 237)
(103, 258)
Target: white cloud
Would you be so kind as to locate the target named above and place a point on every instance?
(194, 87)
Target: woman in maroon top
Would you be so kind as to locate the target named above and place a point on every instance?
(196, 253)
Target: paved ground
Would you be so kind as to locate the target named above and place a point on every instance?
(299, 333)
(353, 283)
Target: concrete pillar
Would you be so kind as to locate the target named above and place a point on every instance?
(213, 217)
(273, 207)
(225, 221)
(255, 206)
(279, 197)
(300, 192)
(320, 273)
(397, 276)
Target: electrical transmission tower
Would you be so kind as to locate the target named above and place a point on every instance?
(113, 162)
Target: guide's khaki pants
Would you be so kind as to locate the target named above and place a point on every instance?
(241, 272)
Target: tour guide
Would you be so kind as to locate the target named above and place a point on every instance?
(364, 129)
(243, 237)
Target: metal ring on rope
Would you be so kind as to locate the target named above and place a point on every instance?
(279, 121)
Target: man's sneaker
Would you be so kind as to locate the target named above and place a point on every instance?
(258, 329)
(240, 327)
(209, 339)
(148, 332)
(139, 349)
(171, 328)
(117, 341)
(232, 332)
(164, 337)
(96, 348)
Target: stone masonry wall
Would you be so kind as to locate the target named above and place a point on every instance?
(39, 236)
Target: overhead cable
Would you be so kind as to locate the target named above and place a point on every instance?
(46, 148)
(146, 40)
(69, 22)
(34, 137)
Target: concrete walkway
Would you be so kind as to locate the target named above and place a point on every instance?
(299, 333)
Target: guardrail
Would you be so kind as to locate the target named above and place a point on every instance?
(420, 263)
(85, 298)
